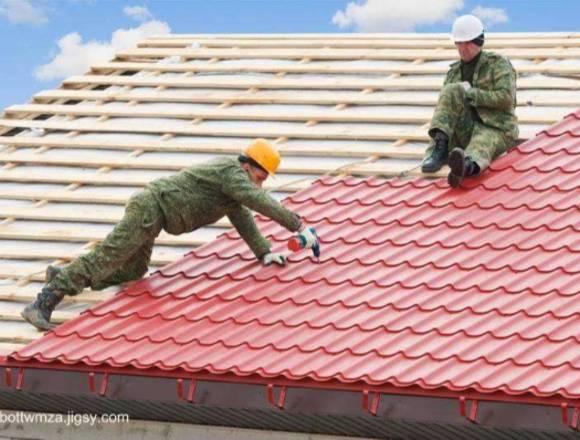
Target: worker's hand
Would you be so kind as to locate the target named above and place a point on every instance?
(310, 236)
(465, 85)
(271, 258)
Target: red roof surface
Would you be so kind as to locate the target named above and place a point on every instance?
(418, 285)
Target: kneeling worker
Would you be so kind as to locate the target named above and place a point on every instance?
(474, 121)
(184, 202)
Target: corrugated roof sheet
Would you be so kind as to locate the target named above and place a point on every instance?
(418, 285)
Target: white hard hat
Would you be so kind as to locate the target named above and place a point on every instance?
(466, 28)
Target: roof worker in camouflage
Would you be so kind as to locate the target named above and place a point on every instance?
(195, 197)
(474, 121)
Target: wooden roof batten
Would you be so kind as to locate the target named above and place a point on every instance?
(387, 151)
(24, 280)
(328, 69)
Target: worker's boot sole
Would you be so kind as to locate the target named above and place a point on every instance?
(457, 166)
(32, 314)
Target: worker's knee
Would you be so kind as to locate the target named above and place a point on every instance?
(138, 264)
(134, 271)
(450, 105)
(453, 90)
(140, 202)
(143, 209)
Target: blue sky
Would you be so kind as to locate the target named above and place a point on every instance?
(30, 30)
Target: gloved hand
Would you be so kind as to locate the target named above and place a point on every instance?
(271, 258)
(310, 236)
(306, 239)
(465, 85)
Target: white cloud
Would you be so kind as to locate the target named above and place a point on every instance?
(125, 38)
(75, 56)
(395, 15)
(139, 13)
(490, 16)
(22, 11)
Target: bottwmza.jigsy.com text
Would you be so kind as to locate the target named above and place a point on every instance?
(70, 418)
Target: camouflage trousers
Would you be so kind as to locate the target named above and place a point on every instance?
(454, 117)
(122, 256)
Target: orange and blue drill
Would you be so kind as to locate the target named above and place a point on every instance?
(307, 239)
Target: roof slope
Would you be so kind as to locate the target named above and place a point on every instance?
(419, 285)
(334, 104)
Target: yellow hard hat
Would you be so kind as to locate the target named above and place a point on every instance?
(264, 154)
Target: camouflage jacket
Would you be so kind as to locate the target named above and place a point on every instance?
(202, 194)
(493, 93)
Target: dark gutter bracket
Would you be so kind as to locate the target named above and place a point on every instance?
(374, 405)
(575, 415)
(472, 417)
(104, 383)
(190, 392)
(281, 398)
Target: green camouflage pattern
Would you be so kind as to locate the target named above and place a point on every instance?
(205, 193)
(481, 143)
(122, 256)
(493, 95)
(195, 197)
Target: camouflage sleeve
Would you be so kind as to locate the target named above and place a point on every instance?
(447, 78)
(243, 221)
(502, 94)
(238, 186)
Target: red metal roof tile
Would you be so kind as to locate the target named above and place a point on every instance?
(418, 285)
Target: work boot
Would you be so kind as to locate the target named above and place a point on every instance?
(461, 167)
(438, 156)
(38, 312)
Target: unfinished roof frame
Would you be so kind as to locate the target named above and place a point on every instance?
(305, 49)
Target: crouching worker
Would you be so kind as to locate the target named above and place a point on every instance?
(474, 121)
(186, 201)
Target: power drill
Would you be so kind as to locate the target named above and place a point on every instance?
(300, 242)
